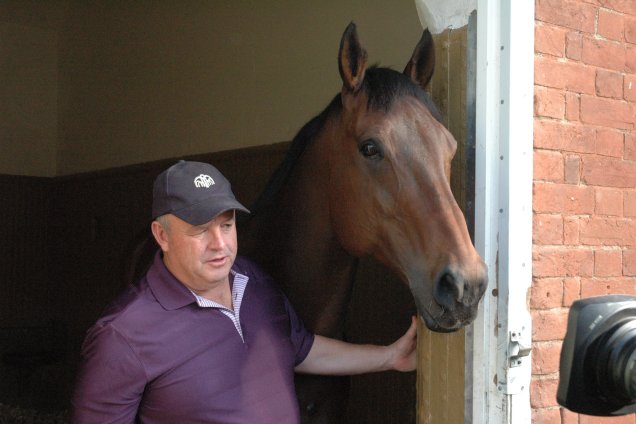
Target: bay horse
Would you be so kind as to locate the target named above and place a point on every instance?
(368, 176)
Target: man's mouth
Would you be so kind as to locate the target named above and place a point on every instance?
(218, 261)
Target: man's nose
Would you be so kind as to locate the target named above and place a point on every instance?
(215, 239)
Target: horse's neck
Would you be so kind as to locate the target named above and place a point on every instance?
(301, 251)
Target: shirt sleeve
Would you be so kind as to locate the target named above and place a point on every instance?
(301, 338)
(110, 380)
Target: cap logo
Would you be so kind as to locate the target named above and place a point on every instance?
(203, 180)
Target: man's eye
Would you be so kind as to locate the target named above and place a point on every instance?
(197, 231)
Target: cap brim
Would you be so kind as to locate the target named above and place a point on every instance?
(208, 209)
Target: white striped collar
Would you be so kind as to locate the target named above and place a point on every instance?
(239, 284)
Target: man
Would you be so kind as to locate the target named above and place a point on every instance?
(206, 336)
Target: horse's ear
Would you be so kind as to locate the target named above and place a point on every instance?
(352, 59)
(422, 63)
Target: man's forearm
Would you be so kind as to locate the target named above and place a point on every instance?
(335, 357)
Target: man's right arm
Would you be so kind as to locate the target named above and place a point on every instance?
(110, 380)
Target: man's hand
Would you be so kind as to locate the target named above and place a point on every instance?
(403, 350)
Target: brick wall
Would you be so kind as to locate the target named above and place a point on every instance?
(584, 198)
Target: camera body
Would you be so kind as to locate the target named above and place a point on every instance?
(598, 357)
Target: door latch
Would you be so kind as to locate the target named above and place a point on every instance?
(518, 348)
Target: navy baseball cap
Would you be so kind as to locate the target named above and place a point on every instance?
(196, 192)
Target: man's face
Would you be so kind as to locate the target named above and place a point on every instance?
(200, 256)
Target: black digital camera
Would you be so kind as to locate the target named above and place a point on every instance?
(598, 357)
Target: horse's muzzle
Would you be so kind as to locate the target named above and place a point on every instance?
(454, 300)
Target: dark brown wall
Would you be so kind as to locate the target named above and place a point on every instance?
(29, 335)
(23, 248)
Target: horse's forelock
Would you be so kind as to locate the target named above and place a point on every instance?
(383, 86)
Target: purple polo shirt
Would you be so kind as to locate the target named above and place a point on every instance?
(158, 357)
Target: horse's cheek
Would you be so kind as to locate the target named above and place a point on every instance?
(352, 231)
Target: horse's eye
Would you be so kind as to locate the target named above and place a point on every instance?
(370, 149)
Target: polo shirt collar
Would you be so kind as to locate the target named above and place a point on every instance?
(168, 291)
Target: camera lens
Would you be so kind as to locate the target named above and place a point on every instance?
(613, 362)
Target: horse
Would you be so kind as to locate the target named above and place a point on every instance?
(368, 176)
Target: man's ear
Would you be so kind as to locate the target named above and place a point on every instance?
(160, 234)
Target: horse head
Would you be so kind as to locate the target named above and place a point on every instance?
(389, 191)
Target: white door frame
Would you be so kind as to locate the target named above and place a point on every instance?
(498, 343)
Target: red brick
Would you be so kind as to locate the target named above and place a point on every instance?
(608, 172)
(572, 106)
(630, 59)
(574, 45)
(546, 293)
(549, 39)
(545, 416)
(610, 25)
(571, 230)
(607, 112)
(554, 135)
(543, 392)
(609, 84)
(547, 229)
(608, 201)
(623, 6)
(629, 88)
(570, 14)
(608, 232)
(603, 53)
(551, 103)
(571, 290)
(591, 287)
(548, 166)
(559, 198)
(572, 169)
(630, 29)
(545, 357)
(608, 263)
(630, 146)
(629, 262)
(562, 261)
(560, 74)
(568, 417)
(610, 143)
(629, 205)
(594, 2)
(549, 324)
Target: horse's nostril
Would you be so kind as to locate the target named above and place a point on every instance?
(449, 290)
(482, 286)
